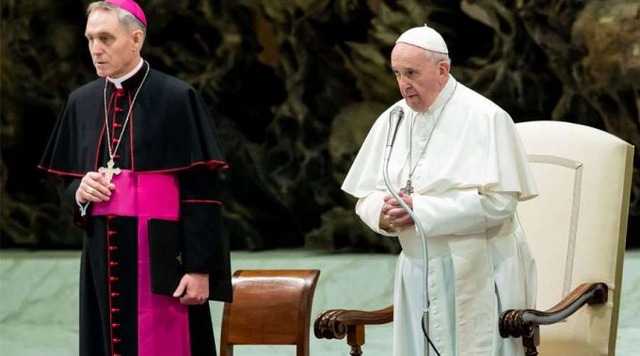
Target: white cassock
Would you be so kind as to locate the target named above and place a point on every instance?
(467, 184)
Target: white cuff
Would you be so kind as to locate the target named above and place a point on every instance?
(83, 207)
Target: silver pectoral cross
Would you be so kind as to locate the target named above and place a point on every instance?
(109, 171)
(408, 188)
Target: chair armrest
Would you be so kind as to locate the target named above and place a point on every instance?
(336, 323)
(525, 322)
(333, 324)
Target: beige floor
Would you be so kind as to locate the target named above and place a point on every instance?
(38, 299)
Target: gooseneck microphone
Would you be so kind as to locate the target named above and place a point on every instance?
(395, 119)
(396, 115)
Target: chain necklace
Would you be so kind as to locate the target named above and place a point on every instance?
(408, 188)
(109, 171)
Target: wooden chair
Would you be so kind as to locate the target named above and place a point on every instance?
(270, 307)
(576, 230)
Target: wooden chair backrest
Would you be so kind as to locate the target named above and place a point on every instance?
(270, 307)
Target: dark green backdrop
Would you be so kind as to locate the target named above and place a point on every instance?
(294, 86)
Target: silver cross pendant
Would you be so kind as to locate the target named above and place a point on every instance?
(408, 188)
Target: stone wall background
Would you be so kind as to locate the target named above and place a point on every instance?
(294, 86)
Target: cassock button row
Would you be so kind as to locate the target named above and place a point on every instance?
(119, 92)
(112, 248)
(117, 125)
(115, 294)
(115, 325)
(111, 233)
(116, 340)
(110, 217)
(118, 109)
(113, 263)
(115, 310)
(114, 140)
(113, 279)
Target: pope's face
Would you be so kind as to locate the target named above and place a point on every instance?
(115, 49)
(419, 79)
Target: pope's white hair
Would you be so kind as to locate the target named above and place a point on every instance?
(437, 57)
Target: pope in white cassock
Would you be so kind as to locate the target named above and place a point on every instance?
(462, 169)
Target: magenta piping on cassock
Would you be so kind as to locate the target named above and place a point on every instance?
(61, 173)
(217, 202)
(212, 165)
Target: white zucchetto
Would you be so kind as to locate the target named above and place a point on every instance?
(424, 37)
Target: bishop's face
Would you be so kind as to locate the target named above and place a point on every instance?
(114, 48)
(419, 79)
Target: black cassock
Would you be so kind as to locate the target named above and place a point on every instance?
(170, 137)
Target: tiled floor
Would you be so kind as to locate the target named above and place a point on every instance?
(38, 299)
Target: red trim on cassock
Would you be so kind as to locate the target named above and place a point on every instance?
(213, 164)
(202, 201)
(60, 173)
(110, 287)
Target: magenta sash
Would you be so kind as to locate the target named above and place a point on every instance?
(163, 323)
(142, 194)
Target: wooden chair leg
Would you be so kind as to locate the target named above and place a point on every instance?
(355, 339)
(530, 340)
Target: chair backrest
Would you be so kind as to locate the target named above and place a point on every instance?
(576, 227)
(270, 307)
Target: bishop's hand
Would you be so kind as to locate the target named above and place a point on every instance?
(93, 188)
(193, 289)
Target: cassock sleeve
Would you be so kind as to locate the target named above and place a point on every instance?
(205, 247)
(67, 191)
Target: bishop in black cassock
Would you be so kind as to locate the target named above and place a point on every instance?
(153, 137)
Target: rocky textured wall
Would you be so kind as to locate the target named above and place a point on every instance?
(294, 86)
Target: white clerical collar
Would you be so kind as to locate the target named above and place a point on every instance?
(444, 95)
(118, 82)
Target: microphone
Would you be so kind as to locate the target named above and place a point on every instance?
(396, 114)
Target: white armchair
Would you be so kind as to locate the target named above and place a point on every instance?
(576, 230)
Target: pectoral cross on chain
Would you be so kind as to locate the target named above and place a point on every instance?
(408, 188)
(109, 171)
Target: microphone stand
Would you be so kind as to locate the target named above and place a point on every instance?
(421, 233)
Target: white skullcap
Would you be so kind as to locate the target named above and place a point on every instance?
(424, 37)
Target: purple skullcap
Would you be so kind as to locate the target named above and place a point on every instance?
(132, 7)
